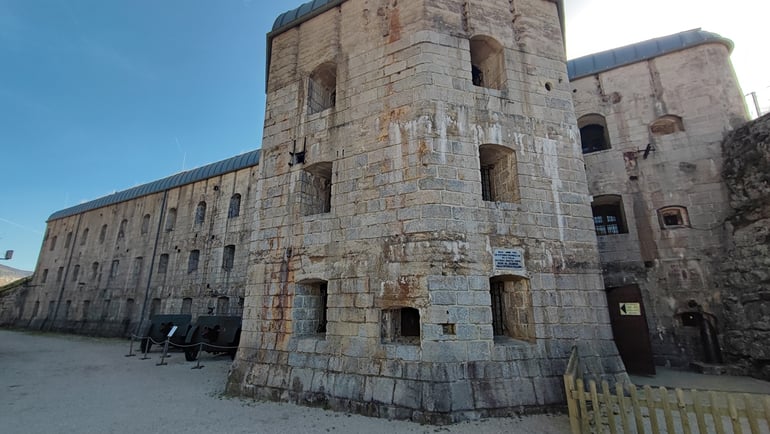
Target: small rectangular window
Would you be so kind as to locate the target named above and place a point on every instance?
(192, 262)
(228, 257)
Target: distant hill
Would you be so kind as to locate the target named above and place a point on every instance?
(9, 274)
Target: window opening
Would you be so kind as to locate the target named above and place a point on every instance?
(322, 88)
(86, 308)
(593, 133)
(192, 263)
(235, 206)
(59, 274)
(122, 229)
(316, 187)
(310, 309)
(487, 63)
(84, 237)
(499, 174)
(170, 219)
(668, 124)
(228, 257)
(186, 306)
(200, 213)
(75, 273)
(94, 270)
(145, 224)
(223, 306)
(673, 217)
(155, 307)
(53, 243)
(137, 271)
(114, 268)
(102, 234)
(608, 215)
(68, 240)
(45, 276)
(512, 310)
(401, 325)
(163, 263)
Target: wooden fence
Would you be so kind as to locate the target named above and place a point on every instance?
(630, 409)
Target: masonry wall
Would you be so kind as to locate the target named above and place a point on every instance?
(673, 266)
(407, 227)
(745, 271)
(101, 272)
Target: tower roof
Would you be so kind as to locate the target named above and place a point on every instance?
(617, 57)
(313, 8)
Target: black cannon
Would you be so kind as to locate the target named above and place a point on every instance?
(213, 334)
(160, 326)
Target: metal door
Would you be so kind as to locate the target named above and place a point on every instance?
(629, 326)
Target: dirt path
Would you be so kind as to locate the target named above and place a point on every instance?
(69, 384)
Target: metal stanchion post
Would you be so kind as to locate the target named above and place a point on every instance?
(198, 359)
(146, 347)
(163, 356)
(131, 347)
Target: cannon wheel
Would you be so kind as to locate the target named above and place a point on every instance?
(191, 353)
(145, 345)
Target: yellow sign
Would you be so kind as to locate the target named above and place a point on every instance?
(630, 309)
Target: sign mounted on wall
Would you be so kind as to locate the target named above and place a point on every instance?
(630, 309)
(509, 259)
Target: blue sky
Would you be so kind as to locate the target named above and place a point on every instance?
(97, 96)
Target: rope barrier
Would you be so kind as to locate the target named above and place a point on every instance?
(167, 343)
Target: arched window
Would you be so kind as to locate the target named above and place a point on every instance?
(102, 234)
(317, 188)
(145, 224)
(235, 206)
(609, 216)
(512, 311)
(171, 219)
(487, 62)
(200, 213)
(186, 306)
(122, 229)
(322, 88)
(53, 243)
(84, 237)
(75, 273)
(94, 270)
(163, 263)
(192, 261)
(668, 124)
(593, 133)
(673, 217)
(68, 240)
(228, 257)
(499, 174)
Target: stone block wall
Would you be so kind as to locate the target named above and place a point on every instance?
(405, 249)
(99, 271)
(665, 120)
(745, 270)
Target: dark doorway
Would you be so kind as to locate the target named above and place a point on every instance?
(629, 326)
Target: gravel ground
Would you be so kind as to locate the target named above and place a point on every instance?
(54, 383)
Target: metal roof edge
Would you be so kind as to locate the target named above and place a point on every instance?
(664, 45)
(238, 162)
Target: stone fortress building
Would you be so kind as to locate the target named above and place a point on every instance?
(417, 237)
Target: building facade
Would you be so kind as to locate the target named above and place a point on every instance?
(177, 245)
(417, 237)
(425, 247)
(652, 118)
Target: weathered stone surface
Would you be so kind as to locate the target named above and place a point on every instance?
(745, 270)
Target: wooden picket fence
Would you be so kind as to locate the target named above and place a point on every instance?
(630, 409)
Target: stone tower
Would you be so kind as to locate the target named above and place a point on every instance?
(424, 245)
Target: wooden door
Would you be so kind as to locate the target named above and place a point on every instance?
(629, 326)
